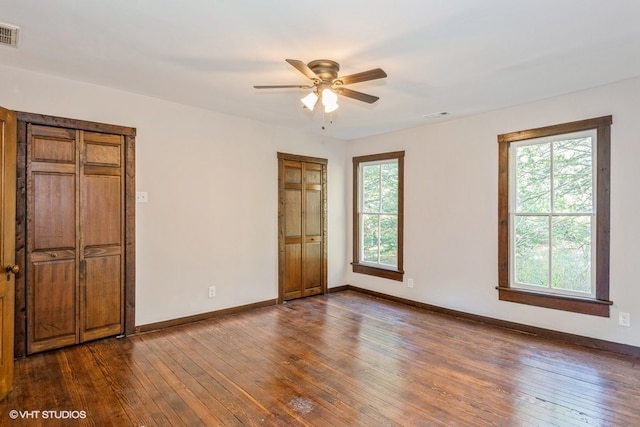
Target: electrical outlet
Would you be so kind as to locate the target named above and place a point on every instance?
(212, 291)
(409, 283)
(624, 319)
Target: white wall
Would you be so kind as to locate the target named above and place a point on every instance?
(211, 179)
(451, 179)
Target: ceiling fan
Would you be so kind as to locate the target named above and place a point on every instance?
(326, 83)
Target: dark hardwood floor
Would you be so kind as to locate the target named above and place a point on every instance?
(345, 359)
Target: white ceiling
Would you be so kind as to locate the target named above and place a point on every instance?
(459, 56)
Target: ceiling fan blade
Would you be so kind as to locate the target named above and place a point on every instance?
(364, 97)
(283, 86)
(376, 73)
(303, 68)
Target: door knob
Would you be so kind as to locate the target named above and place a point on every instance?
(12, 269)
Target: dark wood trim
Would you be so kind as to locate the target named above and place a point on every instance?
(599, 306)
(603, 201)
(63, 122)
(398, 274)
(282, 157)
(503, 216)
(129, 134)
(591, 306)
(20, 334)
(130, 235)
(299, 158)
(580, 340)
(203, 316)
(378, 272)
(381, 156)
(569, 127)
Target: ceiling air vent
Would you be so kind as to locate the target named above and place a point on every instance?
(8, 35)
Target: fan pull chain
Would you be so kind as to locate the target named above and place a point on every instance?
(323, 119)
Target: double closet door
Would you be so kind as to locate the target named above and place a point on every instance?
(75, 236)
(302, 226)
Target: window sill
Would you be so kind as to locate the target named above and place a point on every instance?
(378, 272)
(590, 306)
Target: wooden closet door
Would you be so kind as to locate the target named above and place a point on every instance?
(302, 226)
(52, 258)
(75, 247)
(101, 236)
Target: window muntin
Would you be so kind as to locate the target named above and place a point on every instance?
(552, 214)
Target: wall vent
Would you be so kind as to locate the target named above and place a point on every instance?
(8, 35)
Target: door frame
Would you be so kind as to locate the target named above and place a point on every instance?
(129, 134)
(282, 157)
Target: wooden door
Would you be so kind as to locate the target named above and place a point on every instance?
(101, 236)
(302, 226)
(52, 237)
(7, 246)
(75, 236)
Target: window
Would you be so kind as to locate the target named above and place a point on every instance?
(553, 245)
(378, 214)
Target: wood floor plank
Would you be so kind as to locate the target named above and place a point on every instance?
(345, 359)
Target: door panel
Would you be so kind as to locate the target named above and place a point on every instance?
(313, 174)
(101, 210)
(102, 154)
(313, 213)
(312, 268)
(53, 299)
(51, 144)
(293, 213)
(293, 270)
(101, 308)
(54, 212)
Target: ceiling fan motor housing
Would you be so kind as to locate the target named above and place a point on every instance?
(325, 69)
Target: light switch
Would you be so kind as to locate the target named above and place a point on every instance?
(141, 197)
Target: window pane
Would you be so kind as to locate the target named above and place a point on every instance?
(371, 188)
(533, 182)
(389, 188)
(370, 238)
(532, 250)
(388, 239)
(573, 171)
(571, 257)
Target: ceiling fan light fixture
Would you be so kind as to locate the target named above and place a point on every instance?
(329, 100)
(310, 100)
